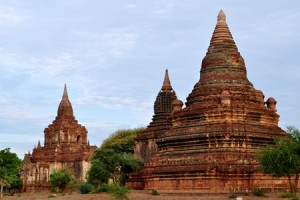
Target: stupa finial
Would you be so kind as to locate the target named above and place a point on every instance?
(167, 83)
(39, 144)
(65, 91)
(221, 16)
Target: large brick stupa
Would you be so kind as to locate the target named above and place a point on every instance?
(212, 143)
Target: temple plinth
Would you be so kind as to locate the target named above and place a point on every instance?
(65, 145)
(212, 143)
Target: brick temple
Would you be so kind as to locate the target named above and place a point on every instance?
(65, 145)
(146, 146)
(211, 144)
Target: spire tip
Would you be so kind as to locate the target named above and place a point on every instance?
(221, 16)
(65, 91)
(166, 84)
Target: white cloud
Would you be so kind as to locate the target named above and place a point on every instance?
(9, 16)
(275, 28)
(163, 8)
(111, 102)
(130, 6)
(120, 41)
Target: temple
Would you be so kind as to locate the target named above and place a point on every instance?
(145, 145)
(211, 145)
(65, 145)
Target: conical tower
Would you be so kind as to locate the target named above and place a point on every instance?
(145, 146)
(212, 145)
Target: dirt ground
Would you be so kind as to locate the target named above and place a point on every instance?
(136, 195)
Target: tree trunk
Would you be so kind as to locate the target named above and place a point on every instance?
(291, 184)
(296, 183)
(1, 195)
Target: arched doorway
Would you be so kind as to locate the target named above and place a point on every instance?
(79, 140)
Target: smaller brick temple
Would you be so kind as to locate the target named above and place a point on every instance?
(145, 145)
(65, 145)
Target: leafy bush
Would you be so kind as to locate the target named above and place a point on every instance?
(295, 198)
(60, 179)
(154, 192)
(258, 192)
(232, 196)
(287, 195)
(85, 188)
(119, 192)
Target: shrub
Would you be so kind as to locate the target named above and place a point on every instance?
(60, 179)
(154, 192)
(85, 188)
(295, 198)
(119, 192)
(287, 195)
(232, 196)
(258, 192)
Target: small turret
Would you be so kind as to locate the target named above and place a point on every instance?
(271, 104)
(177, 105)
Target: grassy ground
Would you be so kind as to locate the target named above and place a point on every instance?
(136, 195)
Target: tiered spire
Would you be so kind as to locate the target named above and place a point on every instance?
(65, 107)
(165, 97)
(222, 37)
(223, 64)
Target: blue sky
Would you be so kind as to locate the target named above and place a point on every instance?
(112, 55)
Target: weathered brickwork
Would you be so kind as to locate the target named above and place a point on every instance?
(65, 145)
(211, 144)
(145, 145)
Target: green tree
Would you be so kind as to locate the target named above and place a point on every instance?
(283, 159)
(9, 170)
(60, 179)
(294, 132)
(114, 159)
(109, 164)
(121, 140)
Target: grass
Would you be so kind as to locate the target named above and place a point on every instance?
(287, 195)
(258, 192)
